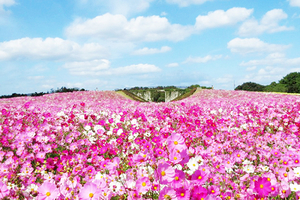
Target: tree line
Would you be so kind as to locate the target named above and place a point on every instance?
(58, 90)
(289, 84)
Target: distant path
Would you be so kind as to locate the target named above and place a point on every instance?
(130, 96)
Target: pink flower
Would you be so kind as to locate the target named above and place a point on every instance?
(89, 192)
(143, 185)
(263, 186)
(167, 193)
(47, 191)
(3, 190)
(176, 142)
(166, 173)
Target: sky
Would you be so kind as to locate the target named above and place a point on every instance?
(107, 45)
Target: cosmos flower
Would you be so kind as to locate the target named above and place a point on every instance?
(48, 191)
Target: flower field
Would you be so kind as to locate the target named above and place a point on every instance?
(99, 145)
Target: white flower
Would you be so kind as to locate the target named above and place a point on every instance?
(265, 168)
(193, 164)
(147, 134)
(120, 131)
(178, 166)
(297, 171)
(295, 187)
(247, 162)
(248, 168)
(228, 170)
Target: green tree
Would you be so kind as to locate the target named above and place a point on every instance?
(250, 86)
(292, 82)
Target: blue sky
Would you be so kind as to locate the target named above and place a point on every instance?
(125, 43)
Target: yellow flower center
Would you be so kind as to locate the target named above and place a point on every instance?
(175, 142)
(285, 174)
(175, 158)
(144, 184)
(176, 178)
(261, 186)
(269, 179)
(200, 177)
(91, 195)
(212, 191)
(238, 155)
(182, 194)
(48, 194)
(163, 173)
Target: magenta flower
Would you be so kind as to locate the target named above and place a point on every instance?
(3, 190)
(48, 191)
(263, 186)
(89, 192)
(199, 177)
(166, 173)
(198, 192)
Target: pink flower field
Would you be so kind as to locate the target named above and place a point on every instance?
(99, 145)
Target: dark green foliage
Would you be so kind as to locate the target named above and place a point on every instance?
(276, 87)
(292, 82)
(58, 90)
(250, 86)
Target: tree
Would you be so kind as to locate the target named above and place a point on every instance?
(292, 82)
(250, 86)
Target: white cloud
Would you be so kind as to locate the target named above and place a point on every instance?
(5, 3)
(202, 59)
(35, 77)
(147, 51)
(87, 67)
(4, 13)
(268, 24)
(294, 3)
(266, 75)
(227, 78)
(118, 28)
(163, 14)
(185, 3)
(122, 7)
(102, 67)
(253, 45)
(173, 65)
(251, 68)
(274, 59)
(49, 49)
(222, 18)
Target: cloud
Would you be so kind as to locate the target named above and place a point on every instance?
(5, 3)
(49, 49)
(173, 65)
(273, 59)
(202, 59)
(266, 75)
(147, 51)
(253, 45)
(185, 3)
(103, 68)
(227, 78)
(222, 18)
(87, 67)
(295, 3)
(122, 7)
(118, 28)
(268, 24)
(251, 68)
